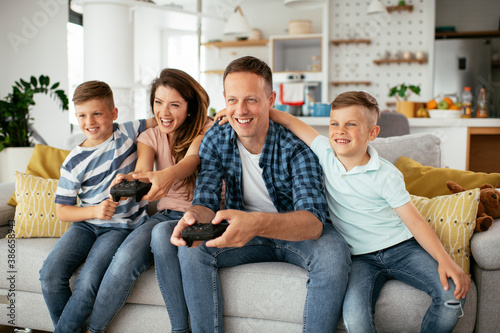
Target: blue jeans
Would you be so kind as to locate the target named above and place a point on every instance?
(326, 260)
(132, 258)
(168, 274)
(407, 262)
(83, 242)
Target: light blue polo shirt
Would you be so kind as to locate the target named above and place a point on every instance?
(361, 201)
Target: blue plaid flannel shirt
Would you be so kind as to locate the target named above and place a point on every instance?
(291, 172)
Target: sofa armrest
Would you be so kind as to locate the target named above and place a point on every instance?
(6, 211)
(485, 247)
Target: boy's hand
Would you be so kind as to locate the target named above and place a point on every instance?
(451, 270)
(221, 116)
(105, 210)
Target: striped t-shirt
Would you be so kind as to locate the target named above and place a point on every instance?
(87, 173)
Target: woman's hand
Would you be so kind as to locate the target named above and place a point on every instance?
(161, 182)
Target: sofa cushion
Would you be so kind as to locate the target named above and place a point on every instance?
(453, 217)
(429, 182)
(36, 210)
(422, 147)
(45, 162)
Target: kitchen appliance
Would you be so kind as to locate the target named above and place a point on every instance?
(463, 63)
(311, 83)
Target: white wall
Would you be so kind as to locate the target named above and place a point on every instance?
(33, 43)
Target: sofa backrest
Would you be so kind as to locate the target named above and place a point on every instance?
(422, 147)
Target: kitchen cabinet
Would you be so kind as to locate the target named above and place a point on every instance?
(295, 53)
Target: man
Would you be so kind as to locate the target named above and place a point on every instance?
(275, 206)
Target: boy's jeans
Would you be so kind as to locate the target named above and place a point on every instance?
(83, 242)
(326, 260)
(407, 262)
(132, 258)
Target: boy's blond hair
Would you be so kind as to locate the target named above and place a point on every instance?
(360, 98)
(94, 90)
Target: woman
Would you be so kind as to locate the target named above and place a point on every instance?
(179, 104)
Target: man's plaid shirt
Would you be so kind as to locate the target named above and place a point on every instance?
(291, 172)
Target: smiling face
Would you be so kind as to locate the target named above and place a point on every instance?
(95, 119)
(349, 134)
(247, 108)
(170, 109)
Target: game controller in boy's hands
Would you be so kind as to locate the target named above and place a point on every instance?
(136, 189)
(203, 232)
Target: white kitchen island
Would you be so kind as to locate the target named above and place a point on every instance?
(466, 144)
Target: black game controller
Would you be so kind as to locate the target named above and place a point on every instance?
(203, 232)
(134, 189)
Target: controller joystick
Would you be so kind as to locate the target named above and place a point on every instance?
(203, 232)
(135, 189)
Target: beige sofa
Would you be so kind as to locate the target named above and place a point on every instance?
(261, 297)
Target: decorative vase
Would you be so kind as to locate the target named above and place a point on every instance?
(407, 108)
(13, 159)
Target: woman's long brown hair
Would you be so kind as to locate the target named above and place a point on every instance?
(197, 100)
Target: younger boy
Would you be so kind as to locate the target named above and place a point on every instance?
(371, 208)
(99, 224)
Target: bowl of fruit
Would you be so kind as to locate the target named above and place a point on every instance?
(445, 108)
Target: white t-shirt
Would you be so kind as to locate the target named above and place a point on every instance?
(255, 195)
(361, 201)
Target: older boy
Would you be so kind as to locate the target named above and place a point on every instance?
(100, 225)
(371, 208)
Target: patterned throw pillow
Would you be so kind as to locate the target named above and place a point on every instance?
(45, 162)
(36, 210)
(453, 217)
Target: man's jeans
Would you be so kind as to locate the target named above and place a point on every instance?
(326, 260)
(83, 242)
(407, 262)
(132, 258)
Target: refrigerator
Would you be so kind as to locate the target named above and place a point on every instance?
(464, 62)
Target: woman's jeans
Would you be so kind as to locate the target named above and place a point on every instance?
(132, 258)
(326, 260)
(407, 262)
(83, 242)
(168, 274)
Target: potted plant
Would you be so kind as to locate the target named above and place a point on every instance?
(402, 92)
(15, 117)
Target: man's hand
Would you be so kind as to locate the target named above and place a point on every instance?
(162, 182)
(187, 220)
(105, 210)
(243, 226)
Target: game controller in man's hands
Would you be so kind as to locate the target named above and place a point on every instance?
(203, 232)
(135, 189)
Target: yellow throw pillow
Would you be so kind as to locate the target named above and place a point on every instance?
(45, 162)
(453, 217)
(429, 182)
(36, 209)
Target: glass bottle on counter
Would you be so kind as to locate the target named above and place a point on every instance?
(466, 103)
(482, 104)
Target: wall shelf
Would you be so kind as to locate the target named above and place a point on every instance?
(468, 34)
(339, 83)
(399, 61)
(351, 41)
(391, 9)
(214, 71)
(237, 43)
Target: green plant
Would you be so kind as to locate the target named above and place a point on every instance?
(403, 91)
(15, 110)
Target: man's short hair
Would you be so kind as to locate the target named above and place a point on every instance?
(252, 65)
(94, 90)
